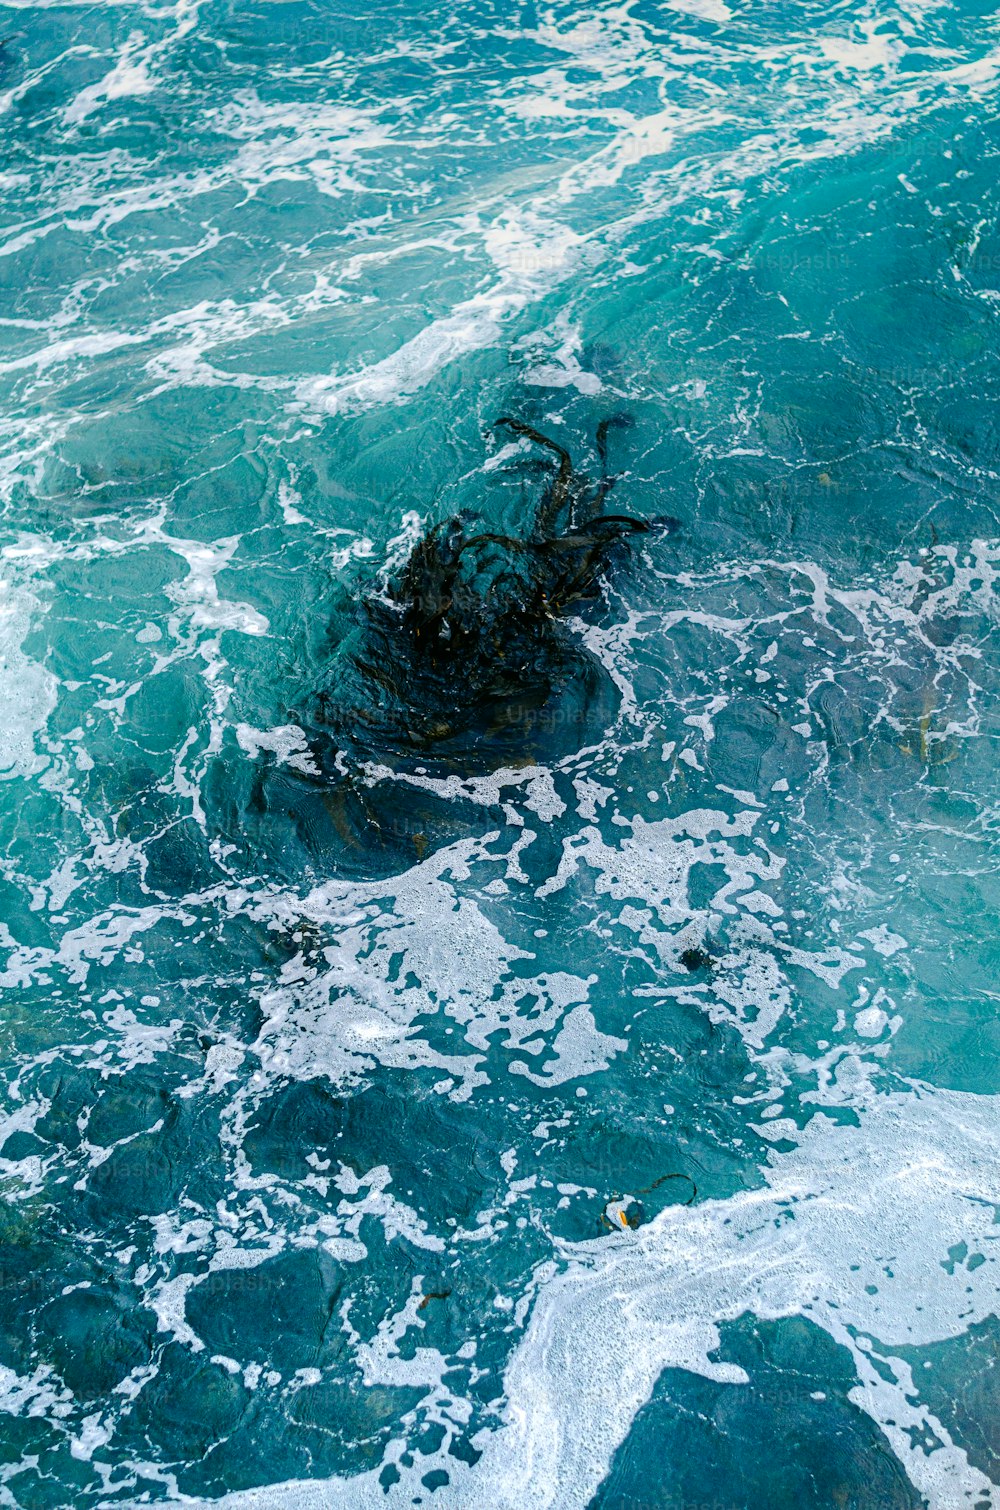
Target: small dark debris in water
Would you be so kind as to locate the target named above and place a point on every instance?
(665, 1178)
(622, 1215)
(433, 1295)
(625, 1213)
(696, 959)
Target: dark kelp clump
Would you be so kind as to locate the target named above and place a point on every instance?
(464, 661)
(467, 660)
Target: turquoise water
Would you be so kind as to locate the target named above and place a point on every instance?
(604, 1115)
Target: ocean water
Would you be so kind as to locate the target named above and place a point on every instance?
(601, 1116)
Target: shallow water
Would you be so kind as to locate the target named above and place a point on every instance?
(616, 1127)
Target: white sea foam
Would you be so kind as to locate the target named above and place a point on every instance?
(129, 78)
(27, 689)
(300, 141)
(385, 969)
(705, 10)
(35, 1395)
(133, 73)
(531, 252)
(288, 743)
(197, 595)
